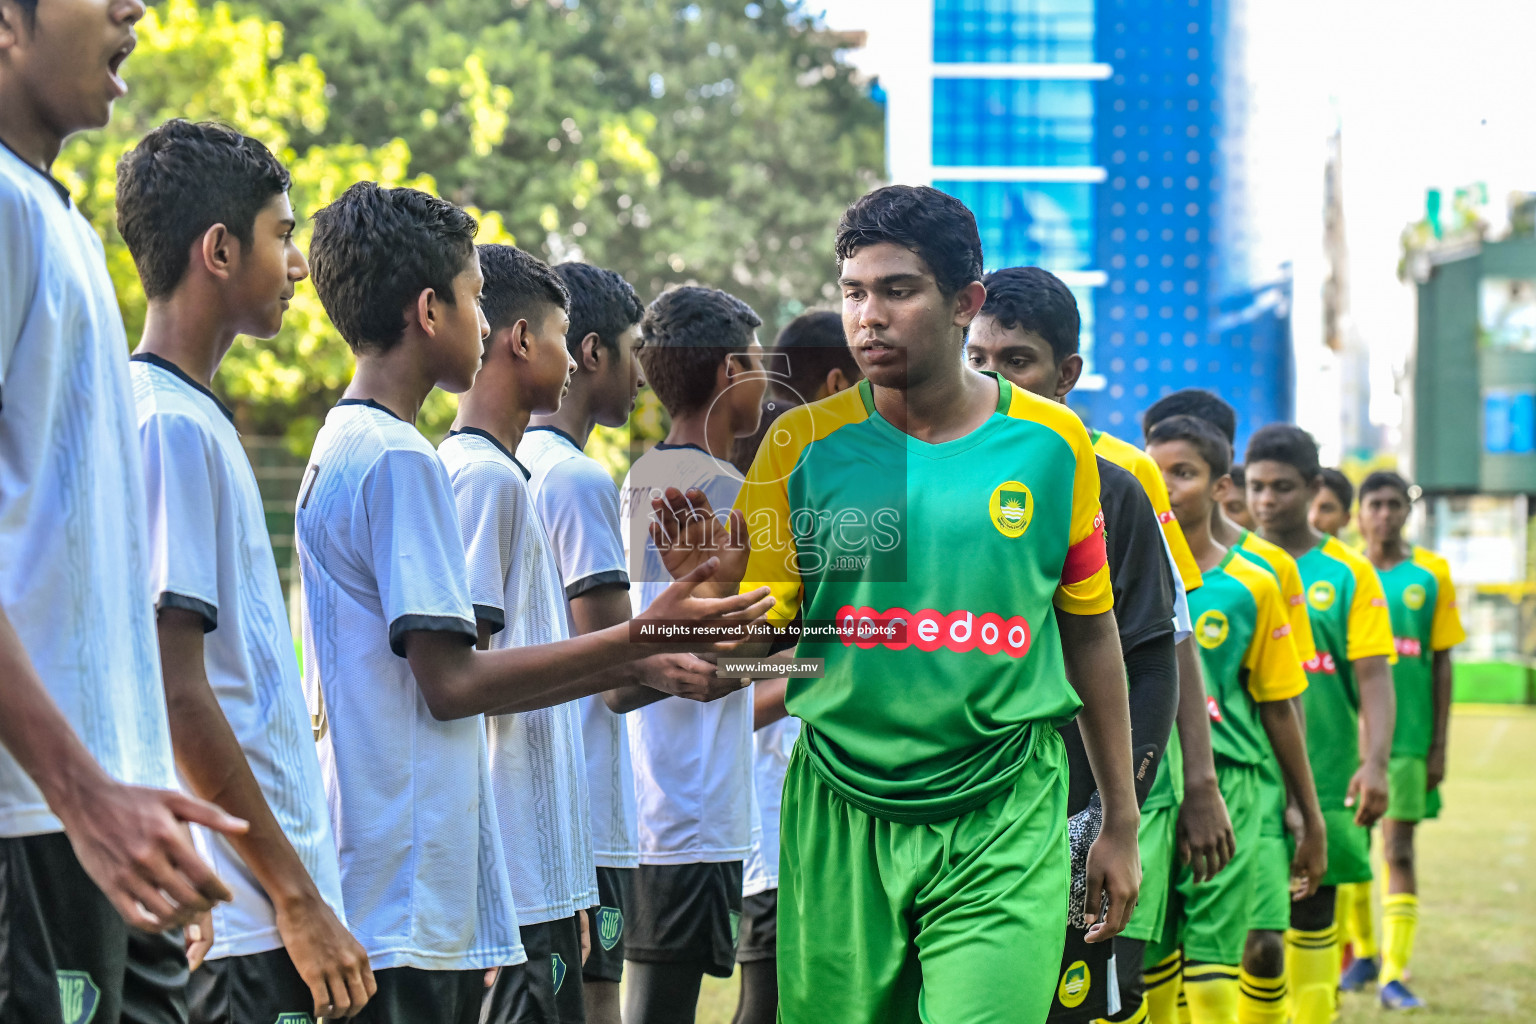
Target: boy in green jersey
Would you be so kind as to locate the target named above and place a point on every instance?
(1330, 511)
(1253, 672)
(1349, 700)
(946, 526)
(1425, 626)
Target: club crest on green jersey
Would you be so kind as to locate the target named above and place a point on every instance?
(78, 996)
(294, 1018)
(610, 925)
(1076, 980)
(1012, 506)
(557, 969)
(1211, 629)
(1414, 596)
(1321, 594)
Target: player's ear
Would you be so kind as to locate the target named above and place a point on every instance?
(1222, 487)
(1067, 373)
(424, 312)
(590, 352)
(218, 251)
(836, 381)
(968, 303)
(519, 341)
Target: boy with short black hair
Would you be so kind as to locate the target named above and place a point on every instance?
(1331, 510)
(1349, 700)
(1425, 626)
(390, 631)
(1254, 673)
(692, 761)
(1028, 332)
(1263, 980)
(923, 869)
(1234, 504)
(205, 213)
(579, 506)
(92, 835)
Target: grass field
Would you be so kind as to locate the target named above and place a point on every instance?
(1476, 956)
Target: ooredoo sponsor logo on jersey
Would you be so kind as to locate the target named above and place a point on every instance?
(929, 630)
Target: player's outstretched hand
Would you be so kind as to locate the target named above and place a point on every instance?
(1367, 794)
(1114, 870)
(133, 842)
(1311, 860)
(332, 963)
(1206, 840)
(687, 532)
(687, 676)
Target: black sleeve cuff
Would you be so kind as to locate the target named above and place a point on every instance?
(597, 579)
(209, 613)
(430, 624)
(489, 613)
(1146, 634)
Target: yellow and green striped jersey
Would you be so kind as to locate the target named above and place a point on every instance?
(1349, 622)
(1422, 603)
(1273, 560)
(972, 545)
(1140, 465)
(1246, 650)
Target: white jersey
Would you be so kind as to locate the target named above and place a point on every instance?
(377, 533)
(538, 770)
(692, 761)
(772, 745)
(579, 507)
(74, 553)
(210, 554)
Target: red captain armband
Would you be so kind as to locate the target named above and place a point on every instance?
(1087, 556)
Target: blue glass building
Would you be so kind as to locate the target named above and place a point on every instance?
(1104, 141)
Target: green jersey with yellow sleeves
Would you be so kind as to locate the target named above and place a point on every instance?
(1422, 603)
(1349, 622)
(970, 547)
(1247, 653)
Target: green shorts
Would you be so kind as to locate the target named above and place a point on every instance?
(1409, 797)
(1349, 848)
(1272, 871)
(1156, 839)
(958, 920)
(1216, 914)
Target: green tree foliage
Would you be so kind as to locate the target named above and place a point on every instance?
(208, 63)
(715, 141)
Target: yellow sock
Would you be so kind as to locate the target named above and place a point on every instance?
(1138, 1016)
(1312, 966)
(1260, 1000)
(1399, 923)
(1212, 992)
(1162, 985)
(1361, 921)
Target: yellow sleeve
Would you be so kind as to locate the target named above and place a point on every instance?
(1151, 478)
(1294, 597)
(1085, 586)
(1274, 668)
(1369, 627)
(764, 503)
(1445, 631)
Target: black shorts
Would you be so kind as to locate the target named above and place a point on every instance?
(63, 948)
(155, 979)
(613, 895)
(409, 994)
(1082, 988)
(546, 989)
(686, 914)
(759, 938)
(256, 987)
